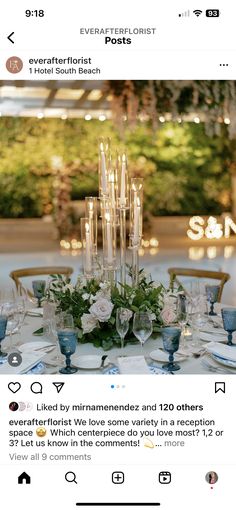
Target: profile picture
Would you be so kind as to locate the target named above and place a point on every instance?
(13, 406)
(211, 477)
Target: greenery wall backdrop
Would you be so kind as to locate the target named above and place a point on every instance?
(186, 172)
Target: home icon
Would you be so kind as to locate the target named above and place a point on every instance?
(24, 478)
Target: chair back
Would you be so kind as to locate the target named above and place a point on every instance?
(175, 272)
(17, 274)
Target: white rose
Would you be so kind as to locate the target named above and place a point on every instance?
(88, 322)
(101, 309)
(126, 314)
(168, 315)
(85, 296)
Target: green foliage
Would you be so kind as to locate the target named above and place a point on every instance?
(78, 300)
(185, 171)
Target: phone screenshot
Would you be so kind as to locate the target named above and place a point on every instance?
(117, 255)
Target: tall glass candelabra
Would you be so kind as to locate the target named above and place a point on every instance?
(136, 222)
(116, 197)
(123, 205)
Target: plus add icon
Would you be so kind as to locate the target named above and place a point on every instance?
(118, 477)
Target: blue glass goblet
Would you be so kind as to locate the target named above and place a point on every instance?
(212, 292)
(3, 327)
(39, 287)
(67, 341)
(171, 338)
(229, 323)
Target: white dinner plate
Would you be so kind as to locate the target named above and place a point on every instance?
(223, 361)
(90, 361)
(35, 346)
(37, 369)
(162, 356)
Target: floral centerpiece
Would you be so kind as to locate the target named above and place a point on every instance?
(93, 304)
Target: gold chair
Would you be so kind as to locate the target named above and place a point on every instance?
(174, 272)
(38, 271)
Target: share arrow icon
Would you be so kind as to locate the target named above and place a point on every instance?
(58, 386)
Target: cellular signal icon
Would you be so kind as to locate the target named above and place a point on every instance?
(197, 12)
(184, 14)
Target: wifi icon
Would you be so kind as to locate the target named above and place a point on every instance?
(197, 12)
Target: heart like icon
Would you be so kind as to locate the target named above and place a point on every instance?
(14, 387)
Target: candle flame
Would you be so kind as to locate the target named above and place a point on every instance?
(112, 176)
(87, 227)
(101, 146)
(108, 217)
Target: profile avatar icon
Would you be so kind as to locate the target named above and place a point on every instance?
(14, 65)
(211, 477)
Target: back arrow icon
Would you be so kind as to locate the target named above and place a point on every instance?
(9, 38)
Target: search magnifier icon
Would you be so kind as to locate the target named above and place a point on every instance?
(70, 477)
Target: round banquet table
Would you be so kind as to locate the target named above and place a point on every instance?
(191, 365)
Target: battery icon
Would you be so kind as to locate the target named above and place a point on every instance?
(212, 13)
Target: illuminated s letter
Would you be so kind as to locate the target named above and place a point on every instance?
(196, 223)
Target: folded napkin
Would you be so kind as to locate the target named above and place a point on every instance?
(209, 337)
(29, 360)
(35, 312)
(133, 365)
(224, 351)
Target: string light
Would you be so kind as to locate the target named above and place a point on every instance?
(196, 253)
(211, 252)
(88, 116)
(228, 252)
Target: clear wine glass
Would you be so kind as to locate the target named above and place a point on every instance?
(13, 319)
(122, 323)
(198, 318)
(182, 317)
(142, 327)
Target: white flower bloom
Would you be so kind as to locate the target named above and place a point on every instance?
(152, 316)
(126, 314)
(69, 287)
(104, 285)
(102, 309)
(85, 296)
(88, 323)
(81, 282)
(168, 315)
(155, 285)
(103, 294)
